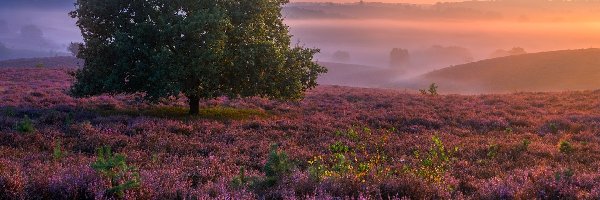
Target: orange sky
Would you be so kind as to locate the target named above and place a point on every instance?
(387, 1)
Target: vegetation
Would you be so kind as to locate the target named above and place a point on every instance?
(25, 126)
(339, 142)
(434, 165)
(201, 49)
(121, 177)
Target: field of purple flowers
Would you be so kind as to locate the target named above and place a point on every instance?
(337, 142)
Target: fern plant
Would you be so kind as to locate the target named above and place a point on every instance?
(114, 168)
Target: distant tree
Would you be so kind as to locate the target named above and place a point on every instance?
(199, 48)
(74, 48)
(399, 58)
(341, 56)
(512, 52)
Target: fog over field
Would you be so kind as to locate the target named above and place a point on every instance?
(426, 35)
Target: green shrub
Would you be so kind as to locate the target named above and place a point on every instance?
(364, 159)
(114, 168)
(525, 145)
(433, 88)
(278, 165)
(241, 180)
(565, 147)
(25, 126)
(438, 160)
(492, 151)
(57, 152)
(338, 147)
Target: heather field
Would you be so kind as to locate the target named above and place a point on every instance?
(338, 142)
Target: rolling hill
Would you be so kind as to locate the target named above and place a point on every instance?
(545, 71)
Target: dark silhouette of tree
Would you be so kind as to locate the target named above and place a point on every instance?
(199, 48)
(399, 58)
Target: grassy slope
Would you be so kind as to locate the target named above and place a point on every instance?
(546, 71)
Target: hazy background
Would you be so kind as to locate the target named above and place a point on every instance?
(357, 39)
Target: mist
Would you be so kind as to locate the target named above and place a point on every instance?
(365, 44)
(36, 28)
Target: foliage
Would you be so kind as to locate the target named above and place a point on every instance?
(565, 147)
(74, 48)
(364, 158)
(436, 162)
(113, 167)
(432, 90)
(57, 151)
(492, 151)
(277, 167)
(234, 48)
(25, 126)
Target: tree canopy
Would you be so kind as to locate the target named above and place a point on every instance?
(199, 48)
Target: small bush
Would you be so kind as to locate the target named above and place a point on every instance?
(278, 166)
(113, 167)
(525, 145)
(492, 151)
(57, 152)
(565, 147)
(438, 160)
(25, 126)
(338, 147)
(433, 88)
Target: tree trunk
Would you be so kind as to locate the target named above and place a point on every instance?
(194, 103)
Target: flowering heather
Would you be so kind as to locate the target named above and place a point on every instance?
(339, 142)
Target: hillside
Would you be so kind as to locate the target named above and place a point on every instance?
(337, 143)
(52, 62)
(546, 71)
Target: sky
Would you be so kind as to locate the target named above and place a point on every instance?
(385, 1)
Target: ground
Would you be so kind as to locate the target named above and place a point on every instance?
(337, 142)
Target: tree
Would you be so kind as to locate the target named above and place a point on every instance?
(199, 48)
(399, 58)
(74, 48)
